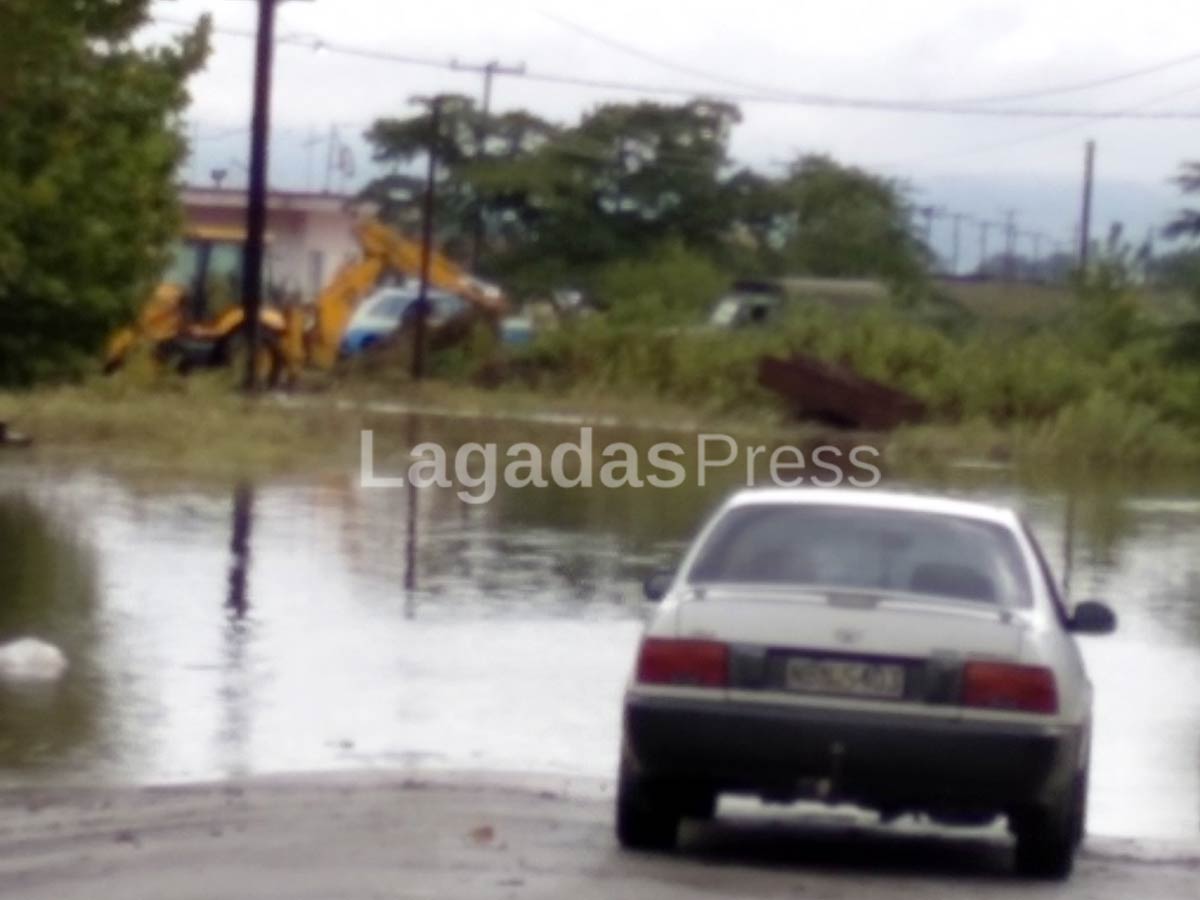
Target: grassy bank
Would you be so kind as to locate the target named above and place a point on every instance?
(1103, 387)
(201, 429)
(1101, 384)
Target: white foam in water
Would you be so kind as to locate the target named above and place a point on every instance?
(30, 659)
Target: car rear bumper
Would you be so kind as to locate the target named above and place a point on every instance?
(880, 760)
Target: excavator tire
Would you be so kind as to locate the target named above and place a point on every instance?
(231, 351)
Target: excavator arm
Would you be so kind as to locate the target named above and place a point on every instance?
(383, 250)
(295, 338)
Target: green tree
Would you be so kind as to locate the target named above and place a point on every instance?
(668, 284)
(1186, 223)
(764, 221)
(90, 144)
(626, 178)
(842, 221)
(1182, 268)
(639, 174)
(480, 169)
(642, 182)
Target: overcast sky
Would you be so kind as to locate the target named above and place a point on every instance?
(916, 49)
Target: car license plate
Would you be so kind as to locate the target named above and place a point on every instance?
(812, 675)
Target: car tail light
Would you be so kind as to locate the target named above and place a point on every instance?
(692, 663)
(1004, 686)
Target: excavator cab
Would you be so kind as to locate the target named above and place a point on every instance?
(194, 317)
(208, 268)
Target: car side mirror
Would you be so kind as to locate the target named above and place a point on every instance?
(1092, 617)
(655, 587)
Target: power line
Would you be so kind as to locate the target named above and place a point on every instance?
(1039, 135)
(664, 62)
(866, 103)
(831, 101)
(1079, 86)
(649, 57)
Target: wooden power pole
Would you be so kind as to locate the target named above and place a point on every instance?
(489, 70)
(1085, 218)
(428, 211)
(256, 200)
(256, 190)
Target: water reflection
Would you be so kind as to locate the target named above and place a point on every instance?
(235, 697)
(294, 626)
(412, 499)
(239, 548)
(48, 591)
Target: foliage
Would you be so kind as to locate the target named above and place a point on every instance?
(558, 204)
(1179, 270)
(843, 221)
(471, 150)
(1187, 223)
(670, 285)
(1049, 378)
(1107, 311)
(89, 147)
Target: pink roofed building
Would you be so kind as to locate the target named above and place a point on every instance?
(310, 235)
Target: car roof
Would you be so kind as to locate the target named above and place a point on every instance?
(861, 498)
(407, 291)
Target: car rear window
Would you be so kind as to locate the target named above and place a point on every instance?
(865, 549)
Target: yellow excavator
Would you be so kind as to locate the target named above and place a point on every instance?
(384, 251)
(194, 318)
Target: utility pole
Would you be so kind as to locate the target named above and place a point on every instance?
(928, 213)
(331, 152)
(310, 146)
(256, 200)
(421, 307)
(984, 227)
(1085, 229)
(959, 218)
(256, 188)
(490, 70)
(1010, 243)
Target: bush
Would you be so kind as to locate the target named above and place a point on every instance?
(1104, 429)
(671, 285)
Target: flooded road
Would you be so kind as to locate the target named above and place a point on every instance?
(300, 625)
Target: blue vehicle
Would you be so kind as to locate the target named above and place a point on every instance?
(385, 311)
(389, 308)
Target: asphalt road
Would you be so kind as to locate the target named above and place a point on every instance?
(464, 836)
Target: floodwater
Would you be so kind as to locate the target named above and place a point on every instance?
(312, 624)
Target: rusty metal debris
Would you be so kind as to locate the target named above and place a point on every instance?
(836, 395)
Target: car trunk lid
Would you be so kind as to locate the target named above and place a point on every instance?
(930, 637)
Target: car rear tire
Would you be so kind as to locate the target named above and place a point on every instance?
(1047, 836)
(701, 805)
(646, 819)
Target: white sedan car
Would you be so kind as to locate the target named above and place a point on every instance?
(902, 653)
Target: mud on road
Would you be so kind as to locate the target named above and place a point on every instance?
(467, 836)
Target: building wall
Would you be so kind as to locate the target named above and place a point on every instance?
(330, 244)
(309, 235)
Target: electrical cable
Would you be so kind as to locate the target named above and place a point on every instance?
(804, 100)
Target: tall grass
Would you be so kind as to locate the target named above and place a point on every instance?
(1098, 384)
